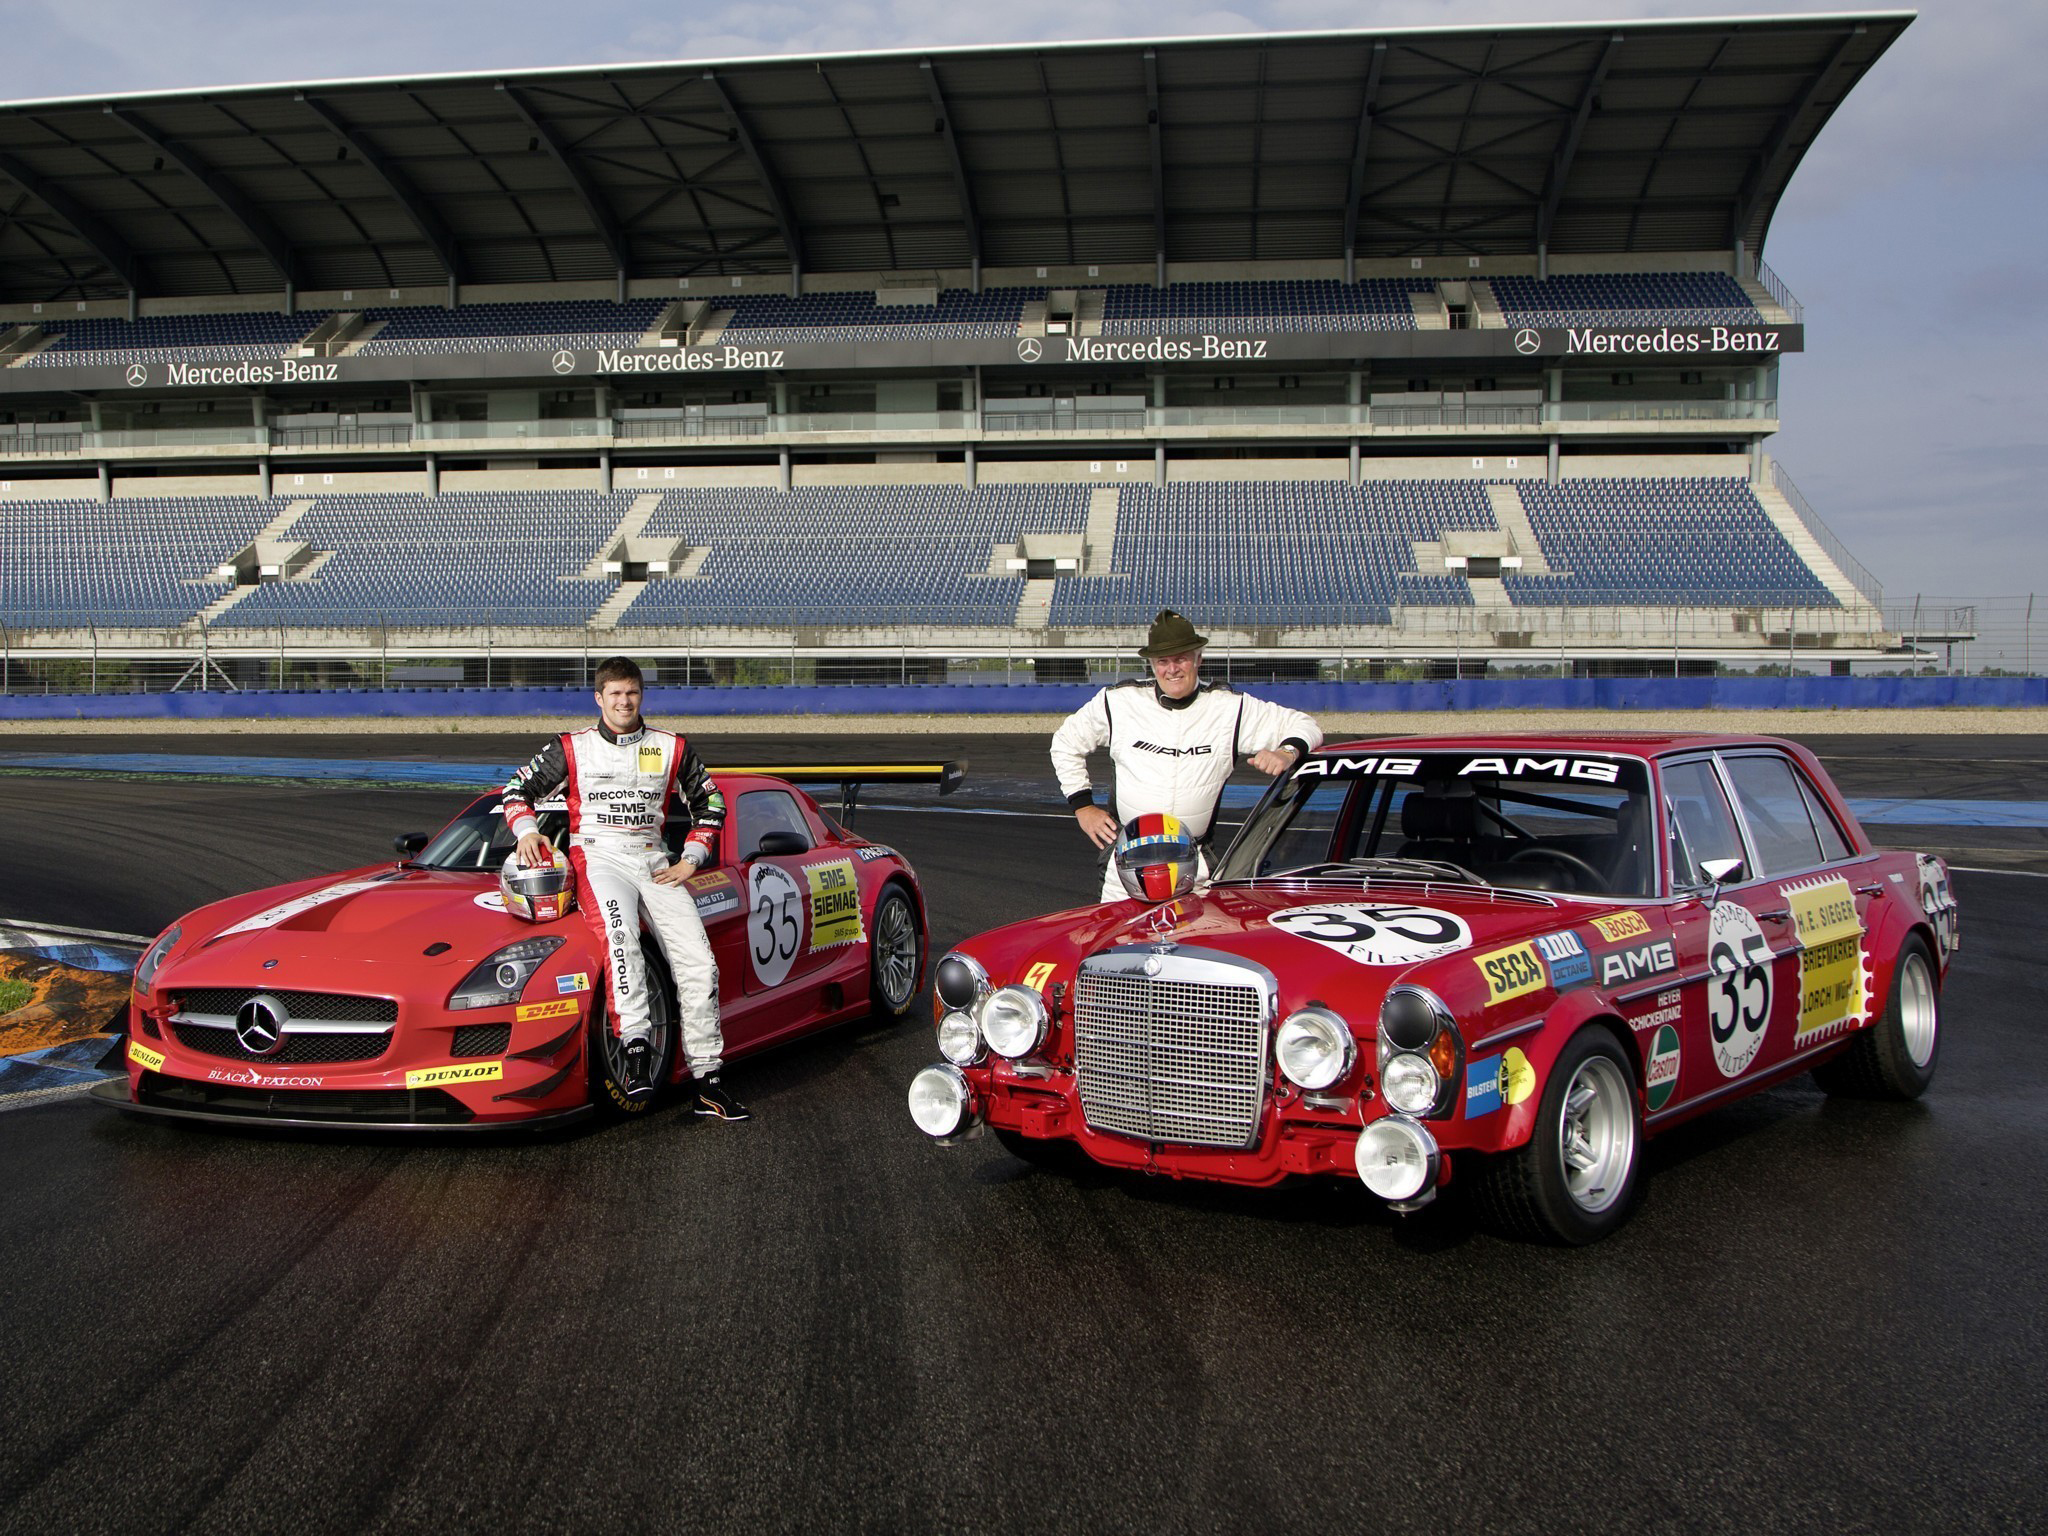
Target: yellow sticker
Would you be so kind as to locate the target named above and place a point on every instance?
(1622, 925)
(650, 760)
(1517, 1077)
(561, 1008)
(1040, 974)
(835, 904)
(1511, 972)
(467, 1072)
(1832, 985)
(144, 1057)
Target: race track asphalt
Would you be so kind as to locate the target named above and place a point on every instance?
(1826, 1315)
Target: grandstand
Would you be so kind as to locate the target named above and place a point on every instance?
(962, 353)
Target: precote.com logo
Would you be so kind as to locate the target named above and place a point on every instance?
(138, 375)
(1527, 341)
(1030, 349)
(565, 361)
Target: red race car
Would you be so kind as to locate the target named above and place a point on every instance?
(406, 996)
(1517, 957)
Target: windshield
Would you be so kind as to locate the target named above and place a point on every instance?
(479, 838)
(1574, 822)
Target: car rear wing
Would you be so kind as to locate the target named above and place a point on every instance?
(852, 777)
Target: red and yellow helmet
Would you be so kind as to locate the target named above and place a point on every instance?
(1156, 857)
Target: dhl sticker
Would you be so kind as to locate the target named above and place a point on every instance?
(1510, 972)
(144, 1057)
(560, 1008)
(1622, 925)
(467, 1072)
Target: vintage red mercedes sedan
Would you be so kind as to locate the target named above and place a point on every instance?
(1511, 957)
(404, 996)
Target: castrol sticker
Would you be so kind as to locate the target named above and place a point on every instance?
(1389, 933)
(1660, 1077)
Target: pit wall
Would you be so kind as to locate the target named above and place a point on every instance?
(1605, 693)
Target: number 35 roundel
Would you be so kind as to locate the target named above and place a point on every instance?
(1382, 934)
(775, 922)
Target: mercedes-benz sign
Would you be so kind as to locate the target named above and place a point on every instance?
(565, 361)
(1527, 341)
(259, 1025)
(137, 375)
(1030, 349)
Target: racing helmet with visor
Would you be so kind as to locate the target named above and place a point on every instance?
(540, 893)
(1156, 857)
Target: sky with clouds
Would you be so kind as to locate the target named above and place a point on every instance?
(1913, 232)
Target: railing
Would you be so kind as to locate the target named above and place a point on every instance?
(1455, 415)
(1859, 577)
(25, 444)
(341, 437)
(495, 431)
(1774, 285)
(1661, 410)
(692, 426)
(179, 437)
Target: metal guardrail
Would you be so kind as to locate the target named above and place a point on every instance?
(1774, 285)
(1859, 577)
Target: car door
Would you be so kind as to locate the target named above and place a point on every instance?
(1734, 964)
(1816, 914)
(802, 900)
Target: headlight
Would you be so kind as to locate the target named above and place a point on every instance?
(153, 957)
(498, 981)
(1013, 1021)
(1314, 1048)
(940, 1101)
(1409, 1018)
(1396, 1158)
(960, 981)
(959, 1039)
(1410, 1083)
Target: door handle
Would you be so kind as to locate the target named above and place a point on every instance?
(1776, 915)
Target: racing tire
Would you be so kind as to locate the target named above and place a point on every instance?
(607, 1063)
(895, 954)
(1895, 1057)
(1053, 1154)
(1575, 1180)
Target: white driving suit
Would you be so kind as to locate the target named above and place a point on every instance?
(1171, 756)
(618, 788)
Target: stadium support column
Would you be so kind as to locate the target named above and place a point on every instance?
(1555, 392)
(967, 473)
(783, 472)
(604, 471)
(433, 474)
(106, 481)
(1159, 463)
(1354, 396)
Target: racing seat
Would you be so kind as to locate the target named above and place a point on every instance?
(1628, 871)
(1441, 822)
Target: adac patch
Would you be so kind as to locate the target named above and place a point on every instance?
(650, 759)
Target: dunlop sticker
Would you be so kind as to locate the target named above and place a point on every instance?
(1832, 984)
(144, 1057)
(468, 1072)
(835, 904)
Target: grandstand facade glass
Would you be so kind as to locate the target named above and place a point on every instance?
(973, 353)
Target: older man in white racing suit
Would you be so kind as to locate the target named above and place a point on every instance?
(618, 778)
(1174, 741)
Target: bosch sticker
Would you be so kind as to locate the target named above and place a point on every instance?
(467, 1072)
(1377, 934)
(1739, 990)
(835, 904)
(775, 922)
(1493, 1081)
(1622, 925)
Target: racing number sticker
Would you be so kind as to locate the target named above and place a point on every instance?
(1739, 990)
(1938, 901)
(775, 922)
(1379, 934)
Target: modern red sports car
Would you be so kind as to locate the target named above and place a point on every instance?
(1517, 957)
(404, 997)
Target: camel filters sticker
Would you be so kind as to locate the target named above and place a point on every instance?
(1832, 982)
(1660, 1078)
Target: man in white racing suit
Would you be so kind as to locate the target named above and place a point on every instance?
(618, 778)
(1173, 741)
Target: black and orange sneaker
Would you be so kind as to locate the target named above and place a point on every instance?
(712, 1099)
(639, 1068)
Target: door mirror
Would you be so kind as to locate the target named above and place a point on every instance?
(409, 843)
(777, 844)
(1721, 871)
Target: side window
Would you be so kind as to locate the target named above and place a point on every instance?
(1702, 826)
(1768, 792)
(1833, 845)
(768, 810)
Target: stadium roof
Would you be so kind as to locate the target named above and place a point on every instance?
(1642, 136)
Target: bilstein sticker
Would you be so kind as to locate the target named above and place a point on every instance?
(1493, 1081)
(468, 1072)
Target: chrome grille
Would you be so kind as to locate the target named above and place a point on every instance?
(296, 1051)
(1178, 1055)
(334, 1007)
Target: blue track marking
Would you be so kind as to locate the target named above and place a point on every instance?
(1889, 811)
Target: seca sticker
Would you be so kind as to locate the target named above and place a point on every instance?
(270, 917)
(1739, 990)
(775, 922)
(1377, 934)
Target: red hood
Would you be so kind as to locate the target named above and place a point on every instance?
(368, 927)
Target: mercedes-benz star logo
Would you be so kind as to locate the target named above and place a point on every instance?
(1030, 349)
(259, 1025)
(137, 375)
(565, 361)
(1527, 341)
